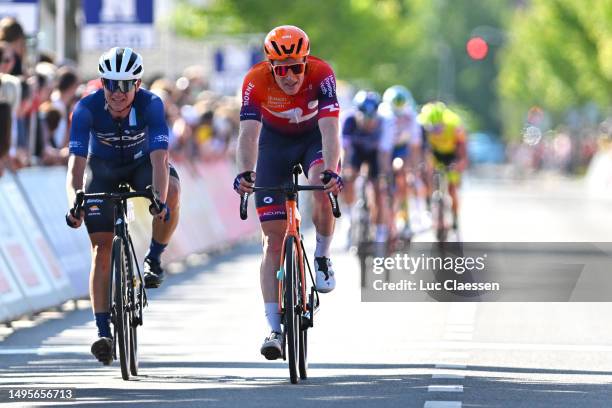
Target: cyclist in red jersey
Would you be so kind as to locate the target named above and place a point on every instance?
(289, 115)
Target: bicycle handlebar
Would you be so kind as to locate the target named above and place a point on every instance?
(290, 188)
(81, 196)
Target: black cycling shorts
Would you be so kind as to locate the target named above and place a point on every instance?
(102, 176)
(445, 158)
(277, 156)
(359, 156)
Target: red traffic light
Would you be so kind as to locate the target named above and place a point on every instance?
(477, 48)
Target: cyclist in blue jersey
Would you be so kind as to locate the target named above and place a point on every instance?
(119, 135)
(363, 142)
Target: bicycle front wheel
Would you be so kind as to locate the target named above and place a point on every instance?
(291, 315)
(135, 312)
(303, 347)
(120, 297)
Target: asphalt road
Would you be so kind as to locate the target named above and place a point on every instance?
(200, 343)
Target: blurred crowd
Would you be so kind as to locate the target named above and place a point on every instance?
(37, 96)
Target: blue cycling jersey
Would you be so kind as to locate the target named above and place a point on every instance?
(94, 132)
(358, 137)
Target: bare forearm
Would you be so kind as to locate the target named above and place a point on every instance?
(331, 142)
(161, 173)
(248, 138)
(74, 176)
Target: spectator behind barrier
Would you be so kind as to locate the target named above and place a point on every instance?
(5, 132)
(12, 32)
(63, 99)
(50, 119)
(7, 58)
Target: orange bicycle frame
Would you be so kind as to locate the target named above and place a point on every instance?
(293, 224)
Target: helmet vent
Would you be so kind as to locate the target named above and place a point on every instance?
(131, 62)
(299, 46)
(278, 51)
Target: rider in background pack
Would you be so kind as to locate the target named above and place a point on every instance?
(362, 134)
(445, 136)
(403, 132)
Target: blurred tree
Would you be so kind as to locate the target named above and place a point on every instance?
(377, 43)
(559, 57)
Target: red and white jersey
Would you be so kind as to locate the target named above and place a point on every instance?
(265, 101)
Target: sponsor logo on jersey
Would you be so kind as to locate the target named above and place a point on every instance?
(112, 138)
(94, 200)
(276, 102)
(295, 115)
(268, 200)
(332, 108)
(273, 213)
(247, 94)
(328, 86)
(161, 139)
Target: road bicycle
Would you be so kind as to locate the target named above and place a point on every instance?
(441, 203)
(297, 308)
(127, 295)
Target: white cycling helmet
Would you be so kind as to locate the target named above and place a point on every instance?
(120, 64)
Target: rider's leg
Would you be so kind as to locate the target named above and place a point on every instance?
(273, 233)
(452, 191)
(162, 230)
(322, 216)
(99, 279)
(381, 216)
(348, 193)
(323, 220)
(100, 176)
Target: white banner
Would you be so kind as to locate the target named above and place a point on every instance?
(43, 189)
(103, 37)
(20, 255)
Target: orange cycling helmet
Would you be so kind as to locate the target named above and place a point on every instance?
(286, 41)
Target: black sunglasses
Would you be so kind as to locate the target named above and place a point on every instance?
(122, 85)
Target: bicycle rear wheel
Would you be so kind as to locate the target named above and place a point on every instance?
(291, 315)
(122, 318)
(441, 222)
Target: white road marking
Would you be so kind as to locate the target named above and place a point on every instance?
(448, 376)
(445, 388)
(442, 404)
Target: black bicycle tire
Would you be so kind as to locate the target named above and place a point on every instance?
(133, 349)
(136, 309)
(304, 324)
(121, 321)
(290, 315)
(303, 354)
(441, 222)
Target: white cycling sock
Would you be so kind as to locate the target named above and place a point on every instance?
(273, 316)
(323, 245)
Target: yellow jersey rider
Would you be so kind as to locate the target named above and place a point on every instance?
(445, 136)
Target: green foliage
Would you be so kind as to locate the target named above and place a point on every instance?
(378, 43)
(559, 57)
